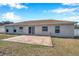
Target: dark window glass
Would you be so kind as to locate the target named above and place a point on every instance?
(7, 30)
(57, 29)
(30, 30)
(21, 28)
(44, 28)
(14, 30)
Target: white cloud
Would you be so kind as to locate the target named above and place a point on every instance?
(72, 18)
(14, 5)
(10, 16)
(63, 10)
(71, 4)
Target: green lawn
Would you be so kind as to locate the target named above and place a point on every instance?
(62, 46)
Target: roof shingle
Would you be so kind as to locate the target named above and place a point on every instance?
(41, 22)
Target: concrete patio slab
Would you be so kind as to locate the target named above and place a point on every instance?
(39, 40)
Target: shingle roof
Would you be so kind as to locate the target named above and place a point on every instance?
(41, 22)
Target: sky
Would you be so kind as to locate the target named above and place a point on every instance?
(18, 12)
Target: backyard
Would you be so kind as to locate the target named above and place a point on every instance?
(62, 47)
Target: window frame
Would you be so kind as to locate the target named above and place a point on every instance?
(21, 28)
(57, 29)
(45, 28)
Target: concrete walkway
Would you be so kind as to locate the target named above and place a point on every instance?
(39, 40)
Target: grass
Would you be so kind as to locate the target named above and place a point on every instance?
(62, 47)
(4, 36)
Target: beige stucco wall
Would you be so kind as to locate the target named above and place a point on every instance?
(38, 30)
(2, 29)
(65, 30)
(11, 28)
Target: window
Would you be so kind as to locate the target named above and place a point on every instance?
(14, 30)
(7, 30)
(21, 28)
(57, 29)
(44, 28)
(30, 29)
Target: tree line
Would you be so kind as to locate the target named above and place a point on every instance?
(6, 22)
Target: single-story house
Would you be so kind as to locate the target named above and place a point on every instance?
(42, 27)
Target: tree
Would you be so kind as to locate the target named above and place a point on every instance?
(6, 22)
